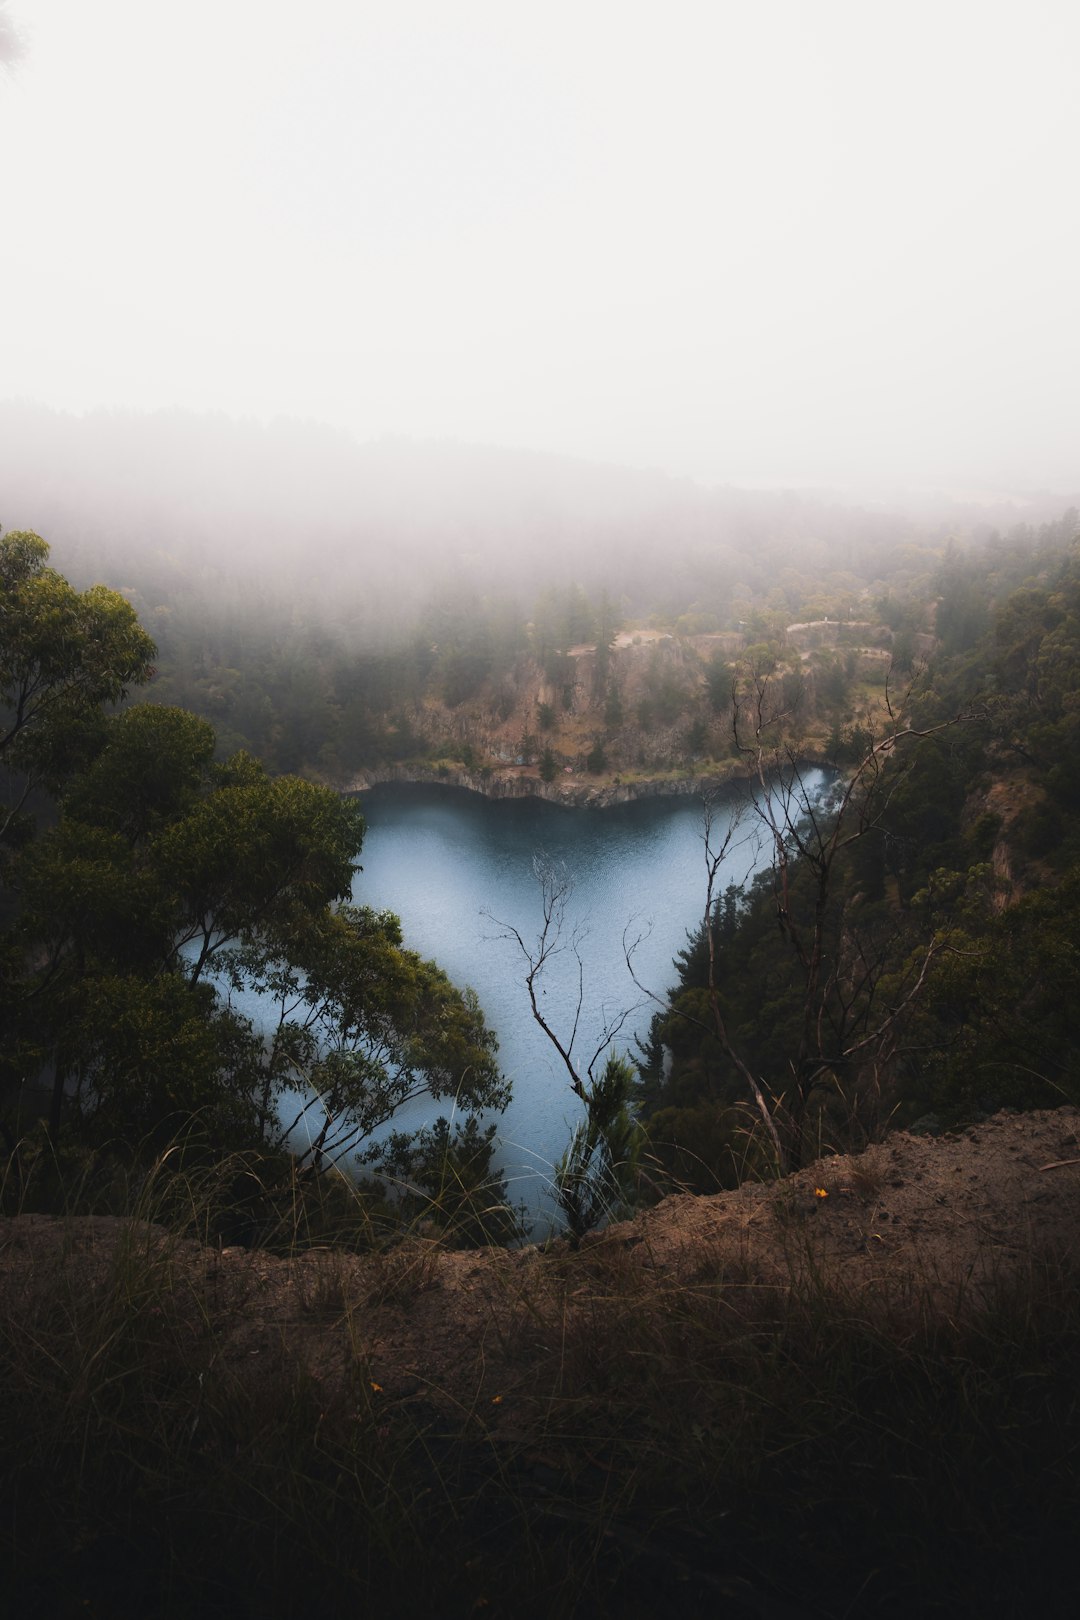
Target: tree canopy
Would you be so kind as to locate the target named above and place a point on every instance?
(63, 655)
(157, 881)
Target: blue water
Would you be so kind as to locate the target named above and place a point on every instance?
(458, 868)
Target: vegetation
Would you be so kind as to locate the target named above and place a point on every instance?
(720, 1437)
(327, 657)
(145, 882)
(596, 1180)
(907, 952)
(911, 955)
(147, 875)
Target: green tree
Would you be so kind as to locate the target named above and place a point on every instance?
(613, 708)
(447, 1175)
(720, 680)
(364, 1026)
(597, 1177)
(160, 861)
(697, 738)
(608, 625)
(64, 654)
(963, 602)
(166, 880)
(1001, 1025)
(228, 880)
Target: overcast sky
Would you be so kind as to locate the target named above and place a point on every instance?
(755, 241)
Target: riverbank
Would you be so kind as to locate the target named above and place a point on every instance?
(569, 789)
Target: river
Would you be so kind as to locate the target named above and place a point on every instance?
(458, 868)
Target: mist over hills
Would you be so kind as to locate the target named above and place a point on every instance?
(299, 510)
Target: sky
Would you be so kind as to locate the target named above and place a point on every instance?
(825, 243)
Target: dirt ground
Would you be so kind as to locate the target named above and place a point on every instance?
(930, 1215)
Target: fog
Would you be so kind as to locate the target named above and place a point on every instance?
(296, 524)
(823, 245)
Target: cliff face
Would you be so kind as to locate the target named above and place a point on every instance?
(645, 707)
(519, 782)
(649, 716)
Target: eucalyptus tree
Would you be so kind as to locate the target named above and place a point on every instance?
(165, 880)
(64, 654)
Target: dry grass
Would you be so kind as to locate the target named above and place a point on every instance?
(867, 1173)
(396, 1275)
(672, 1430)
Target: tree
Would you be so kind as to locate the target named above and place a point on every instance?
(1000, 1020)
(596, 1179)
(64, 655)
(447, 1176)
(845, 1022)
(613, 707)
(838, 996)
(597, 1175)
(697, 738)
(231, 878)
(165, 881)
(159, 862)
(608, 625)
(719, 675)
(364, 1026)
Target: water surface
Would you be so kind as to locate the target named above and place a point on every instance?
(456, 867)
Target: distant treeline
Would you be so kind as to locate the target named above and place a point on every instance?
(306, 594)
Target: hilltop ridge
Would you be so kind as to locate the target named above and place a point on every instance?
(914, 1215)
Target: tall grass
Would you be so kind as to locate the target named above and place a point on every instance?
(684, 1439)
(254, 1198)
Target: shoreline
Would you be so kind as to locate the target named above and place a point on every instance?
(516, 782)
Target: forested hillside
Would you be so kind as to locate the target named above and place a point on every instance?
(918, 964)
(342, 611)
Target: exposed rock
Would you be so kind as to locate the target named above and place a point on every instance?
(521, 783)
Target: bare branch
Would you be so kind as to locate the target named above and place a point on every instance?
(556, 887)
